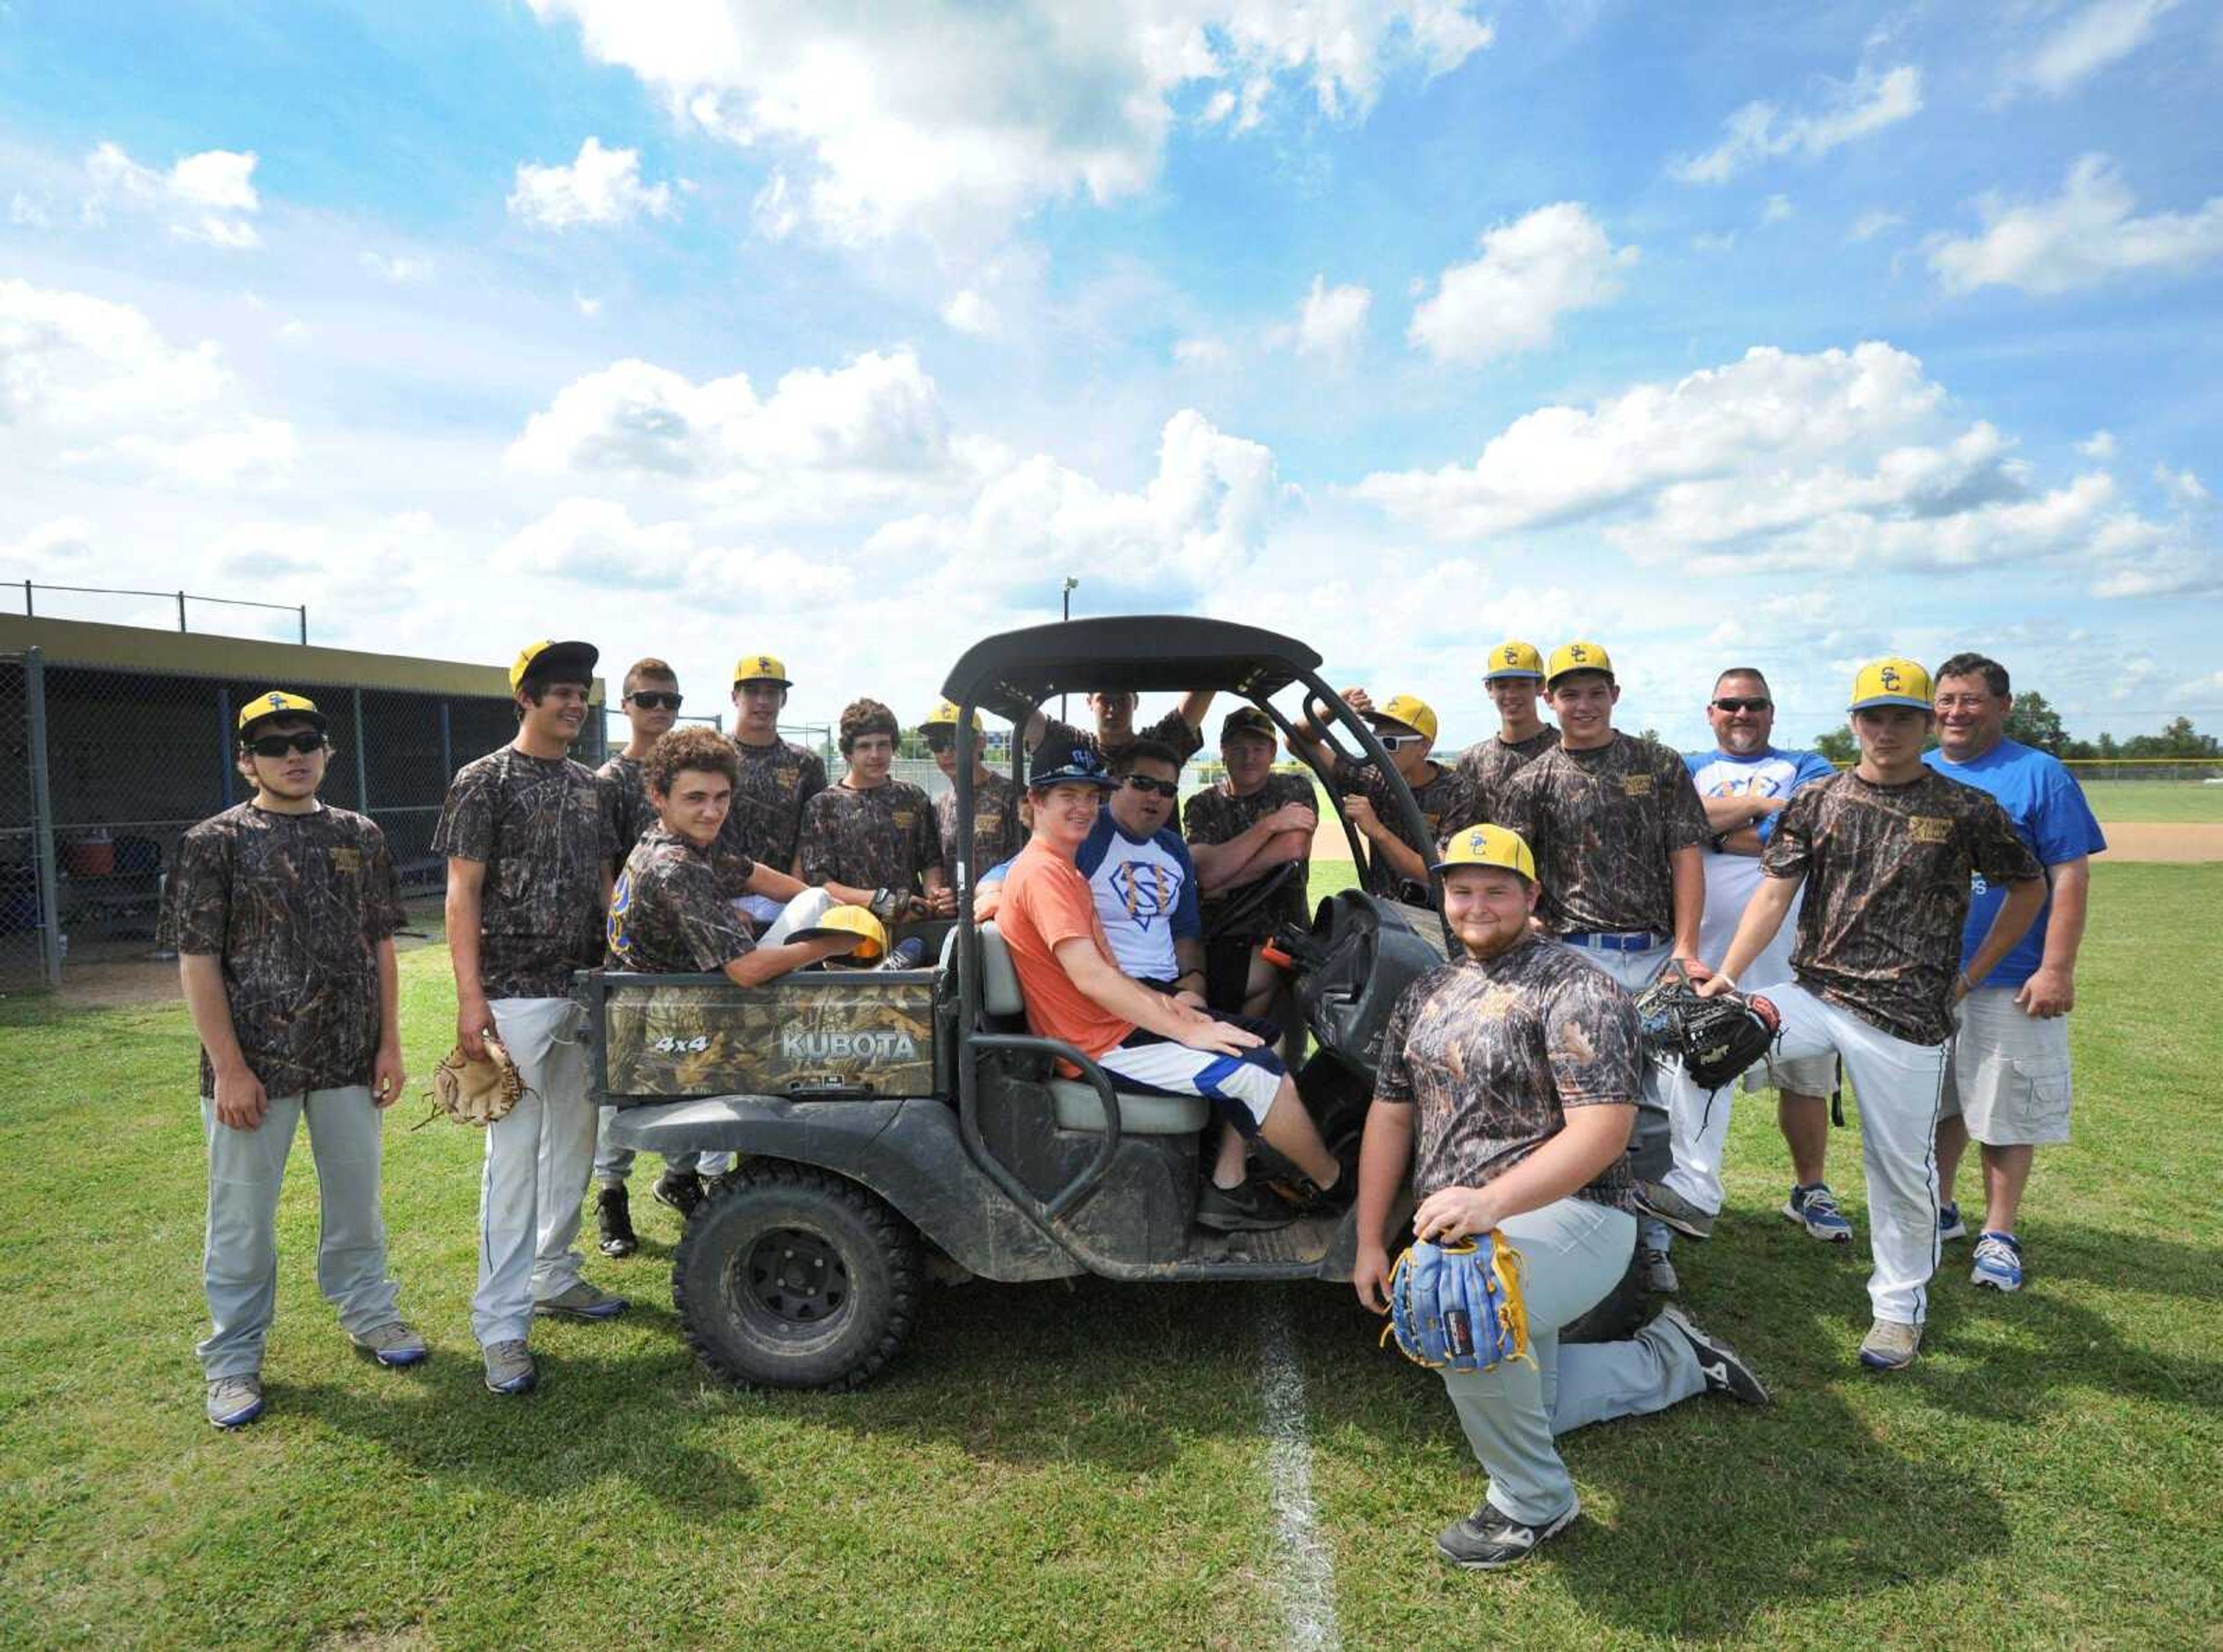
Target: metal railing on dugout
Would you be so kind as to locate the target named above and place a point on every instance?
(108, 767)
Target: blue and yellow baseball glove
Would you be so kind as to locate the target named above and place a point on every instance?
(1458, 1307)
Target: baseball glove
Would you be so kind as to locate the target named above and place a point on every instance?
(1713, 1038)
(1458, 1307)
(475, 1092)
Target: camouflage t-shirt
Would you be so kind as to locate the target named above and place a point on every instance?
(1601, 823)
(1444, 797)
(1217, 815)
(1494, 1052)
(1886, 872)
(544, 828)
(295, 905)
(629, 800)
(1488, 767)
(765, 822)
(996, 832)
(667, 915)
(881, 839)
(1171, 729)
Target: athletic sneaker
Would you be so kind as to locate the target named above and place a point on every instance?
(1814, 1208)
(394, 1343)
(1659, 1272)
(581, 1301)
(906, 954)
(1725, 1373)
(680, 1189)
(1890, 1345)
(509, 1368)
(1245, 1208)
(614, 1221)
(235, 1402)
(1657, 1199)
(1488, 1540)
(1998, 1262)
(1949, 1225)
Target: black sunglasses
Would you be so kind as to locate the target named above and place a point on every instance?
(277, 745)
(1736, 704)
(1158, 788)
(654, 701)
(941, 741)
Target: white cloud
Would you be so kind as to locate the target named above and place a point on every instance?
(1776, 209)
(291, 333)
(586, 306)
(2098, 34)
(1759, 132)
(1870, 225)
(1530, 272)
(207, 198)
(1202, 353)
(26, 213)
(1331, 324)
(2078, 239)
(1836, 460)
(2182, 486)
(602, 186)
(1200, 520)
(596, 542)
(2100, 444)
(874, 429)
(398, 269)
(956, 118)
(968, 312)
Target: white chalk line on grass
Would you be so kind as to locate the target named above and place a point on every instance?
(1307, 1574)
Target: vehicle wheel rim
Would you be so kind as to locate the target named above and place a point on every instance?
(795, 1278)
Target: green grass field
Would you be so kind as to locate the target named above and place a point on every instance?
(2159, 802)
(1061, 1466)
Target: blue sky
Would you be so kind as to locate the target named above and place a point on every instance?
(1718, 334)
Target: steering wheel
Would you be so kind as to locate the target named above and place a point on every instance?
(1252, 899)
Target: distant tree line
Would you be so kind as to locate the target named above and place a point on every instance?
(2035, 723)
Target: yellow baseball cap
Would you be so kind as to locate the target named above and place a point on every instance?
(1569, 657)
(1890, 682)
(1488, 845)
(871, 935)
(279, 703)
(540, 658)
(761, 668)
(1413, 712)
(944, 715)
(1513, 659)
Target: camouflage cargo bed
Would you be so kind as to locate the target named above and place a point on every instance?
(668, 1038)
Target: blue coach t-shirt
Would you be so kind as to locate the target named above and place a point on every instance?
(2047, 809)
(1145, 890)
(1766, 774)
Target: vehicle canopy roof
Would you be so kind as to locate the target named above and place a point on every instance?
(1014, 672)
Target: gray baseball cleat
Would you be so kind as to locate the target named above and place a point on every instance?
(1657, 1199)
(235, 1402)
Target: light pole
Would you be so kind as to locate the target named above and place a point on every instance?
(1065, 603)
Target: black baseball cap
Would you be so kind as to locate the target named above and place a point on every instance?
(1247, 720)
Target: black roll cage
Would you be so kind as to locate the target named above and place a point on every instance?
(1012, 674)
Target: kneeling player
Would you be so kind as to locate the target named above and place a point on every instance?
(1518, 1067)
(668, 912)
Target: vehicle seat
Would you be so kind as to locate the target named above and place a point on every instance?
(1075, 1102)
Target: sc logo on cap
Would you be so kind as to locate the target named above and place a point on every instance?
(1576, 651)
(1513, 657)
(1477, 842)
(1888, 676)
(277, 702)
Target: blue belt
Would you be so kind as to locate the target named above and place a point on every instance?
(1616, 940)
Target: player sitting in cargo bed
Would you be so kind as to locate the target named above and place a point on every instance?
(667, 914)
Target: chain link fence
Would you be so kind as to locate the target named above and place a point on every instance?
(106, 769)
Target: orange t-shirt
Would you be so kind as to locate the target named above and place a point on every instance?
(1046, 903)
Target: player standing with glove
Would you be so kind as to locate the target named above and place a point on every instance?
(1516, 1067)
(1885, 852)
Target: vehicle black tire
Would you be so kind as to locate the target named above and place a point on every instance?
(790, 1277)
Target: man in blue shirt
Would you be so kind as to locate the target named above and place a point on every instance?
(1743, 785)
(2006, 1081)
